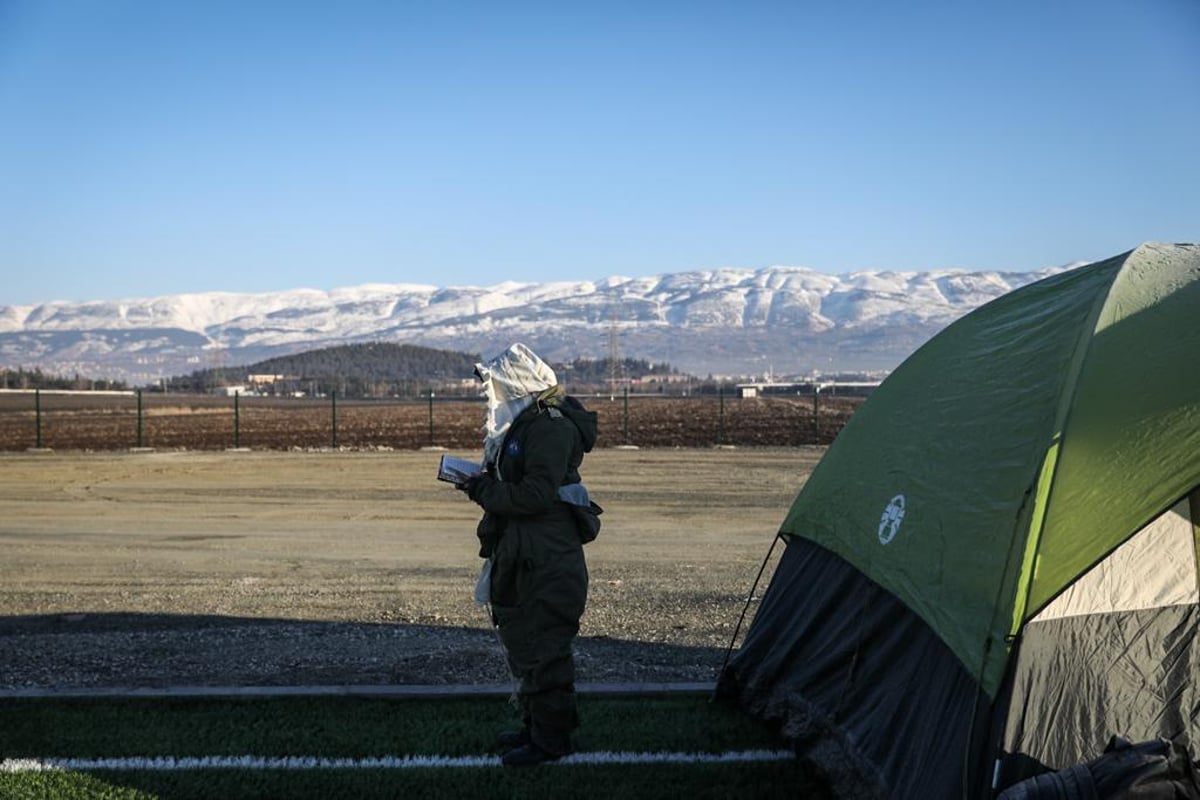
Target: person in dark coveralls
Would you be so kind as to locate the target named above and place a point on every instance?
(531, 495)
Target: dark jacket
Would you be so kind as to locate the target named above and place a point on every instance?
(530, 533)
(543, 450)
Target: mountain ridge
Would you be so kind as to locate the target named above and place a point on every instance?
(726, 321)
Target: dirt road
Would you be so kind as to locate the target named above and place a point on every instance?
(253, 568)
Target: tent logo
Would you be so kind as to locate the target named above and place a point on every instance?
(889, 523)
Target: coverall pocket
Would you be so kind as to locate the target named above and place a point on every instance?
(508, 572)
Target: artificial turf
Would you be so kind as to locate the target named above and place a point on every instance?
(350, 727)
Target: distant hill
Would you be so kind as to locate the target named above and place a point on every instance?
(371, 369)
(383, 369)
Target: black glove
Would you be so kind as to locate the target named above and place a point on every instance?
(474, 486)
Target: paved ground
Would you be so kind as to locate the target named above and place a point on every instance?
(270, 568)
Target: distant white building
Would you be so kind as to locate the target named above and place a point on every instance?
(843, 388)
(260, 379)
(230, 391)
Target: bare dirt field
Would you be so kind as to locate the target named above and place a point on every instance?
(301, 568)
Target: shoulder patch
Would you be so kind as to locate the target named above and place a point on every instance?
(554, 413)
(513, 448)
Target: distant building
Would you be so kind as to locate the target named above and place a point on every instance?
(672, 377)
(258, 379)
(782, 388)
(283, 385)
(230, 391)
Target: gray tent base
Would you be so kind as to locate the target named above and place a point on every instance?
(875, 700)
(833, 667)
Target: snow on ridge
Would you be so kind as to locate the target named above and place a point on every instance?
(702, 297)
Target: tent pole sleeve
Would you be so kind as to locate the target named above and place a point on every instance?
(1029, 559)
(1045, 483)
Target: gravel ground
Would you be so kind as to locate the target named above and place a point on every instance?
(107, 651)
(276, 569)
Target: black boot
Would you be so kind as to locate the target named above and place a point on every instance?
(528, 755)
(508, 740)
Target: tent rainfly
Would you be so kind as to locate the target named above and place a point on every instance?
(994, 567)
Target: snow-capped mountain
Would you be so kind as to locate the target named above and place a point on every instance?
(728, 321)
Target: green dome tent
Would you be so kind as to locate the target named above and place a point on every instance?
(994, 567)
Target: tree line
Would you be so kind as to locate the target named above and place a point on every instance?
(21, 378)
(598, 371)
(385, 369)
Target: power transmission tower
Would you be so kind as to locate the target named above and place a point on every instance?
(216, 367)
(616, 367)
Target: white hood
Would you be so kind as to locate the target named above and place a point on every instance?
(511, 382)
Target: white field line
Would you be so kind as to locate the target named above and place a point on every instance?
(168, 763)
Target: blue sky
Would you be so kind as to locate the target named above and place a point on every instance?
(151, 148)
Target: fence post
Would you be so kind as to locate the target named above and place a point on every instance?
(721, 415)
(333, 419)
(37, 413)
(816, 414)
(626, 415)
(237, 422)
(139, 418)
(431, 439)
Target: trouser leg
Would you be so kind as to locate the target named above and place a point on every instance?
(550, 697)
(540, 652)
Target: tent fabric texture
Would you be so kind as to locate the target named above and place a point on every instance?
(993, 570)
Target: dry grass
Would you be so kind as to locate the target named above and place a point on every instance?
(368, 559)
